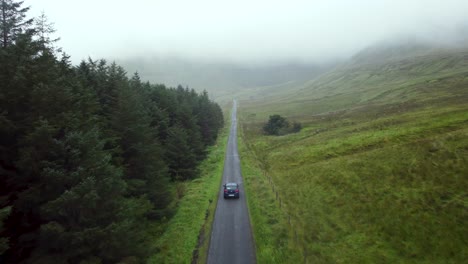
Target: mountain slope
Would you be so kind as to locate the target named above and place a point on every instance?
(435, 75)
(378, 173)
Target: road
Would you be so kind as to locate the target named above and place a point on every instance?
(231, 236)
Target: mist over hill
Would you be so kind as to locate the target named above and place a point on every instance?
(412, 46)
(221, 79)
(226, 79)
(377, 173)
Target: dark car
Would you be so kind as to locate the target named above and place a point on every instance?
(231, 190)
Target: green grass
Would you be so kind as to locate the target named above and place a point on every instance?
(270, 226)
(351, 85)
(176, 241)
(379, 174)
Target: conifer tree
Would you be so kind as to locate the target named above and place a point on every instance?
(209, 120)
(180, 156)
(13, 21)
(43, 31)
(4, 212)
(86, 154)
(74, 201)
(145, 170)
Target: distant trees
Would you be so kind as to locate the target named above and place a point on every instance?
(278, 125)
(87, 155)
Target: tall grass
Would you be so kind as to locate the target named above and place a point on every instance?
(375, 195)
(269, 224)
(382, 178)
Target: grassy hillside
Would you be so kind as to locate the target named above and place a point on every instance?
(379, 174)
(433, 76)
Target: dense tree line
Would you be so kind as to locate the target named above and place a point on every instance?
(87, 155)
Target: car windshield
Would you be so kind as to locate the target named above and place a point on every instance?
(231, 186)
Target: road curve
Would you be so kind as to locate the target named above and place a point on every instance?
(231, 236)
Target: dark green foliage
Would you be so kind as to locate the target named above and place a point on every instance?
(296, 127)
(4, 212)
(189, 123)
(13, 23)
(179, 155)
(210, 118)
(278, 125)
(43, 31)
(87, 155)
(78, 196)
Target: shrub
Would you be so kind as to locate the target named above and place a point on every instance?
(278, 125)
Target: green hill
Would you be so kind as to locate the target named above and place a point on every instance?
(379, 173)
(436, 75)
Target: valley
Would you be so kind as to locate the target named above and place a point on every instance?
(379, 171)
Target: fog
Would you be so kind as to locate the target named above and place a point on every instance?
(254, 31)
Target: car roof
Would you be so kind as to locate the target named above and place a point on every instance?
(231, 184)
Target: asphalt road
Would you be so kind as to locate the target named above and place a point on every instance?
(231, 236)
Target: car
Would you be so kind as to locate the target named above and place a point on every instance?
(231, 190)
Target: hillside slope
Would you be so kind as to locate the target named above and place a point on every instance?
(436, 75)
(379, 172)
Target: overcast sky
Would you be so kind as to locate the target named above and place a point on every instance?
(242, 30)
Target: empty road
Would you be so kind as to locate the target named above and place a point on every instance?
(231, 236)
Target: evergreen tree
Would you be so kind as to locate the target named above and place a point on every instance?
(209, 119)
(44, 30)
(13, 22)
(159, 118)
(75, 198)
(4, 212)
(165, 102)
(180, 156)
(86, 154)
(17, 74)
(145, 169)
(187, 118)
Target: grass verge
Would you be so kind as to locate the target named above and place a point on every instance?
(191, 225)
(270, 226)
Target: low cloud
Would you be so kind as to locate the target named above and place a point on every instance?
(246, 31)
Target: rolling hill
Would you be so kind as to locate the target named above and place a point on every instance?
(416, 74)
(379, 172)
